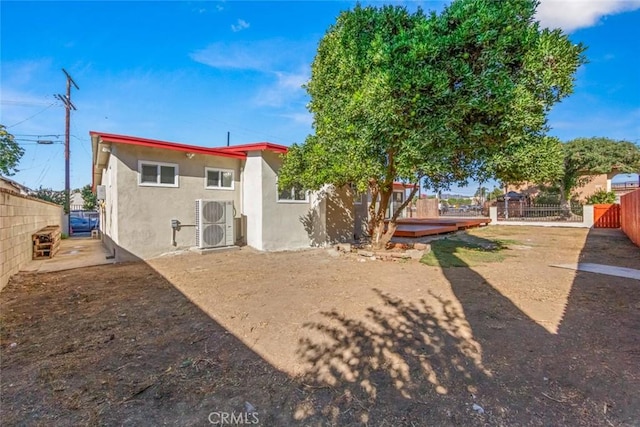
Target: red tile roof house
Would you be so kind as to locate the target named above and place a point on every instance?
(160, 197)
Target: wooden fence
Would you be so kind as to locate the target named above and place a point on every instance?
(606, 216)
(630, 215)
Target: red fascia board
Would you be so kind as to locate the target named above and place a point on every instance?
(144, 142)
(258, 146)
(403, 185)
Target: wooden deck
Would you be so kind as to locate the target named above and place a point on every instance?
(420, 227)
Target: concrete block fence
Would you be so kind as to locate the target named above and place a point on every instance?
(20, 217)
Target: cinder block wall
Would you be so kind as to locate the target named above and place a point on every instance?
(20, 217)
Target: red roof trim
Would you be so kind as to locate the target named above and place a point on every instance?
(132, 140)
(401, 185)
(257, 146)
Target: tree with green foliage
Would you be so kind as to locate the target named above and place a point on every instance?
(495, 193)
(539, 162)
(89, 197)
(10, 153)
(585, 158)
(432, 99)
(49, 195)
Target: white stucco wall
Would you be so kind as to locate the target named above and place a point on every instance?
(252, 198)
(136, 220)
(108, 209)
(283, 223)
(274, 225)
(141, 215)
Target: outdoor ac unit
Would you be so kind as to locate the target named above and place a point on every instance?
(214, 223)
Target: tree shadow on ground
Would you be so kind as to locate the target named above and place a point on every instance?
(119, 345)
(584, 374)
(398, 365)
(429, 362)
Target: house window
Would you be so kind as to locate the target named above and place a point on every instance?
(293, 195)
(157, 174)
(219, 179)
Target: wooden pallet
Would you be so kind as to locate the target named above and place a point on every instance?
(46, 242)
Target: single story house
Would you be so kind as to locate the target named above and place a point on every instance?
(157, 197)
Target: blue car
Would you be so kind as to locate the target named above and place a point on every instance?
(80, 224)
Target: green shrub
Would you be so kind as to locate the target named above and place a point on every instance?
(601, 197)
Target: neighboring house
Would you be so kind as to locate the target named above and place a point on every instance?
(151, 190)
(597, 183)
(11, 185)
(76, 201)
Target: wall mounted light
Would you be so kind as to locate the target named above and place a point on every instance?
(190, 155)
(106, 149)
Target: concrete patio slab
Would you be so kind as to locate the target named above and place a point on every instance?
(610, 270)
(74, 253)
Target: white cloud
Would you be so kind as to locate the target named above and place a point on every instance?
(200, 10)
(286, 89)
(23, 73)
(241, 25)
(571, 15)
(261, 55)
(240, 55)
(305, 118)
(292, 81)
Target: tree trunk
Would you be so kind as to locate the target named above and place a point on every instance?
(565, 203)
(382, 233)
(379, 237)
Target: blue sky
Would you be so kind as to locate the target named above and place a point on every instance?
(191, 71)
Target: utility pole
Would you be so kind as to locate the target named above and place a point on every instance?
(66, 100)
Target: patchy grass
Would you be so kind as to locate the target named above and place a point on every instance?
(466, 251)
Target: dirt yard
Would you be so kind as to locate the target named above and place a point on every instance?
(308, 338)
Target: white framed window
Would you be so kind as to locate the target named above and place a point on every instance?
(293, 195)
(218, 179)
(157, 174)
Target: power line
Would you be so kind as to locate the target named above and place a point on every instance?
(24, 103)
(37, 136)
(41, 143)
(45, 171)
(31, 117)
(82, 141)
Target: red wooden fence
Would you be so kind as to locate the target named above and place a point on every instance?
(606, 216)
(630, 215)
